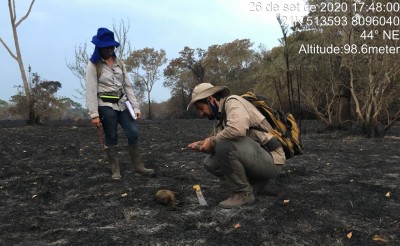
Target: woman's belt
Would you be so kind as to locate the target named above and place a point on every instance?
(112, 97)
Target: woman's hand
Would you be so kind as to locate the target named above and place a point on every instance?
(96, 122)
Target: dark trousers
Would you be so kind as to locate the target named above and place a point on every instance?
(242, 161)
(110, 119)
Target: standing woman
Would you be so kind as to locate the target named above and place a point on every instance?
(107, 91)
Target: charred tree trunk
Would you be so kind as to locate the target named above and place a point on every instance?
(344, 109)
(344, 98)
(150, 116)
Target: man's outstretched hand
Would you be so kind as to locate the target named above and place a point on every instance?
(201, 146)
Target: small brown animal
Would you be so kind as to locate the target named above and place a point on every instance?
(166, 197)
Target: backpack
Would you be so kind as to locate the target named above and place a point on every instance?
(285, 128)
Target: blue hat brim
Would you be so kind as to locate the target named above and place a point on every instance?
(103, 44)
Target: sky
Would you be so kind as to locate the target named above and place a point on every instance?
(55, 28)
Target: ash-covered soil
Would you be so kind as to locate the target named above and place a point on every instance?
(55, 189)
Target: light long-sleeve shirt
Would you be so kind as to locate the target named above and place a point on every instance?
(111, 79)
(241, 119)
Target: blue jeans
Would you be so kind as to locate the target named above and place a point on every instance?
(110, 119)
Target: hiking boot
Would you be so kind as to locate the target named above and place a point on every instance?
(237, 199)
(259, 186)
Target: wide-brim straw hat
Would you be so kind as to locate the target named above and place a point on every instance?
(205, 90)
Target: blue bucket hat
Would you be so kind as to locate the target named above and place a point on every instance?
(104, 38)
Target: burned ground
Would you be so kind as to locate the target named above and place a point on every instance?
(55, 189)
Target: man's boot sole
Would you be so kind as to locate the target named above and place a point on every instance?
(229, 207)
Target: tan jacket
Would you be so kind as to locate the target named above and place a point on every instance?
(241, 115)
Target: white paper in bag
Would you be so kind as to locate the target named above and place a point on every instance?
(129, 106)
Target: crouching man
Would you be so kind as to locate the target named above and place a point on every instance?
(241, 151)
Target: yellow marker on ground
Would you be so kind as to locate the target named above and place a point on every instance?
(200, 196)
